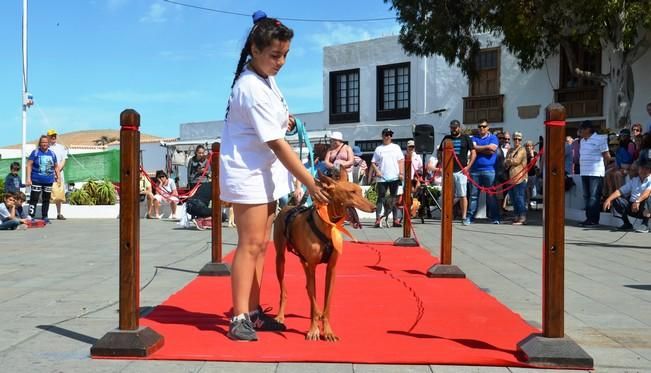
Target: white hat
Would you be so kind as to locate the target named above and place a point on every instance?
(411, 143)
(337, 136)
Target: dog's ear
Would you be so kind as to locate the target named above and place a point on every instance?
(343, 175)
(325, 180)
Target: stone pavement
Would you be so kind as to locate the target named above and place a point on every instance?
(59, 291)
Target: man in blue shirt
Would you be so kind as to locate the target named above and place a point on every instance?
(483, 173)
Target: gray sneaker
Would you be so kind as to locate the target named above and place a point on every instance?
(242, 330)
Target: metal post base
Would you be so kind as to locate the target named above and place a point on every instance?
(139, 343)
(405, 241)
(554, 352)
(445, 271)
(215, 269)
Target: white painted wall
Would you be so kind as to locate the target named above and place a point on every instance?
(437, 85)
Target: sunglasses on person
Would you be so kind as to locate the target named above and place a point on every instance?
(636, 129)
(517, 139)
(388, 135)
(482, 126)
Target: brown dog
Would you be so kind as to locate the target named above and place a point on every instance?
(304, 232)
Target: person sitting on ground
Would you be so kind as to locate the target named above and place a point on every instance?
(12, 181)
(197, 167)
(632, 198)
(8, 220)
(21, 212)
(625, 154)
(147, 192)
(166, 193)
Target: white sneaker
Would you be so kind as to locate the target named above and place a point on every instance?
(172, 217)
(642, 228)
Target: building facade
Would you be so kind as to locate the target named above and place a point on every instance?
(370, 85)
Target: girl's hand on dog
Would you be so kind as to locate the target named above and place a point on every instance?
(318, 193)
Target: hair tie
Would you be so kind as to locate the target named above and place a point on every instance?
(258, 16)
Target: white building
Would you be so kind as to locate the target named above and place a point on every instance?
(373, 84)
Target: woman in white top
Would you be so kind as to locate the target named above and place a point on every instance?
(255, 160)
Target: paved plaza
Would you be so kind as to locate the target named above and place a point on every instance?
(59, 291)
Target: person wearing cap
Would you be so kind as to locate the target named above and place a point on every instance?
(62, 155)
(340, 156)
(625, 154)
(632, 198)
(465, 151)
(516, 163)
(483, 173)
(416, 164)
(359, 166)
(389, 170)
(593, 157)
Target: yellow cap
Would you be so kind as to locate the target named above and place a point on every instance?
(51, 132)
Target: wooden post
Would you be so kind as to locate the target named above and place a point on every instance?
(553, 229)
(553, 348)
(406, 239)
(215, 267)
(445, 268)
(129, 339)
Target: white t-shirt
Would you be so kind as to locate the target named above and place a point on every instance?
(250, 172)
(416, 164)
(635, 187)
(386, 158)
(591, 158)
(61, 152)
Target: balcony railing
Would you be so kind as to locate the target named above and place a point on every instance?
(581, 101)
(476, 108)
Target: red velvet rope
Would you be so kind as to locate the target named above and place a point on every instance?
(181, 197)
(556, 123)
(129, 128)
(500, 188)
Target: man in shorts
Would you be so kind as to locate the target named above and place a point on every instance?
(465, 151)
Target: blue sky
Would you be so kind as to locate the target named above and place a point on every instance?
(90, 59)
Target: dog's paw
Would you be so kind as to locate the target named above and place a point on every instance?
(314, 334)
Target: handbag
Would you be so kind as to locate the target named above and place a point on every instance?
(58, 193)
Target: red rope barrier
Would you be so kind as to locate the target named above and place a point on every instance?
(505, 186)
(181, 197)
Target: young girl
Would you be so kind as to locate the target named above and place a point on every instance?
(255, 160)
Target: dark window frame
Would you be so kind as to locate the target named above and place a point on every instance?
(337, 114)
(393, 113)
(489, 105)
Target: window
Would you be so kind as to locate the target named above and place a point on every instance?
(344, 96)
(485, 100)
(393, 82)
(581, 97)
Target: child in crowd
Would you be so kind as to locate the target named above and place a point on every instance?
(21, 213)
(8, 219)
(12, 181)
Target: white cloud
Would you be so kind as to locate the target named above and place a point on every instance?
(337, 33)
(155, 14)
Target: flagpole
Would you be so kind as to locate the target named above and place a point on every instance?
(25, 102)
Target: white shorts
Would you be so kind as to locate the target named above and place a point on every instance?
(460, 184)
(167, 200)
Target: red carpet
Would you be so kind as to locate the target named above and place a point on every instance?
(385, 310)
